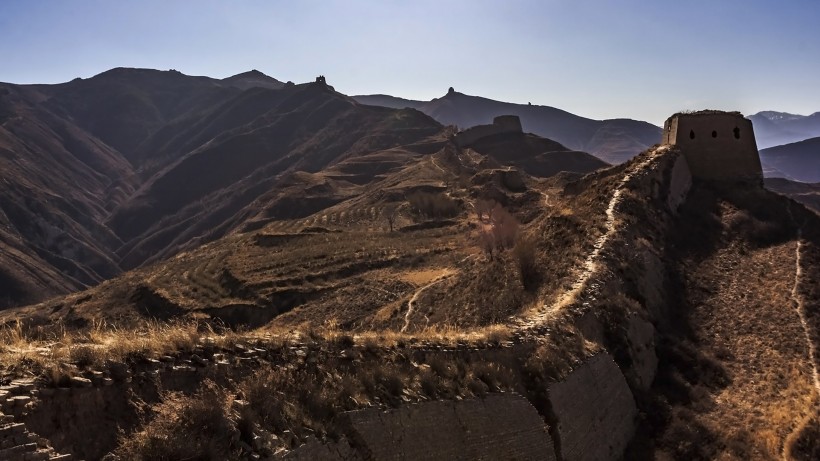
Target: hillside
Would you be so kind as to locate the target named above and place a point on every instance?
(133, 166)
(613, 141)
(806, 193)
(57, 185)
(651, 316)
(799, 161)
(288, 256)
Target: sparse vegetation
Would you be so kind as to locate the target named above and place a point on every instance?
(432, 205)
(202, 426)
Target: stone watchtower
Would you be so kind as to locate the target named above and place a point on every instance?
(718, 146)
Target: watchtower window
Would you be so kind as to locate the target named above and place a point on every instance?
(691, 134)
(714, 134)
(737, 132)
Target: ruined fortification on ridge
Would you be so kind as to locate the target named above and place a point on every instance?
(717, 145)
(501, 124)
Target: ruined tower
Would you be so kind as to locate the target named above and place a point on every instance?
(718, 146)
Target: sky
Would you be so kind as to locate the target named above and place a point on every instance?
(596, 58)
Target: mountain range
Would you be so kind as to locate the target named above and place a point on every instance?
(777, 128)
(613, 141)
(242, 268)
(132, 166)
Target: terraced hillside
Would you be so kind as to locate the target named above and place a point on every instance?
(661, 318)
(379, 248)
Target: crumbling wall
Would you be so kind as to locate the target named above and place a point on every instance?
(680, 181)
(499, 426)
(594, 411)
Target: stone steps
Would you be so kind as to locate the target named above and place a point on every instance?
(16, 442)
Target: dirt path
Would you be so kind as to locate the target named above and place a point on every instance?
(801, 308)
(590, 265)
(411, 304)
(546, 198)
(435, 164)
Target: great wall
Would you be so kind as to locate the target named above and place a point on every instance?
(587, 411)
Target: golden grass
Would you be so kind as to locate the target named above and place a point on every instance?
(39, 348)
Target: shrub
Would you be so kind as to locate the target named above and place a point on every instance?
(433, 205)
(501, 231)
(197, 427)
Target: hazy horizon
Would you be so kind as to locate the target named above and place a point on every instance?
(640, 60)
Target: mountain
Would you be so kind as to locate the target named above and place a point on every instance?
(57, 185)
(613, 141)
(206, 190)
(799, 160)
(632, 302)
(252, 79)
(776, 128)
(133, 166)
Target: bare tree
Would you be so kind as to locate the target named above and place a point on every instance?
(499, 232)
(505, 227)
(484, 206)
(391, 212)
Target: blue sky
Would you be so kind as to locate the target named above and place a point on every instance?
(599, 59)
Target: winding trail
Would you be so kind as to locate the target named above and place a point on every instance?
(411, 305)
(546, 198)
(435, 164)
(590, 265)
(800, 305)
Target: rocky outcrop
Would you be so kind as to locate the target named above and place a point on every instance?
(594, 411)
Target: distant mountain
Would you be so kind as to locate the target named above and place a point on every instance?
(799, 160)
(613, 141)
(777, 128)
(253, 79)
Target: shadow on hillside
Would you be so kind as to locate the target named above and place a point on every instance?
(687, 378)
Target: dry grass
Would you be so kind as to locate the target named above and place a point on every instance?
(294, 403)
(202, 426)
(41, 349)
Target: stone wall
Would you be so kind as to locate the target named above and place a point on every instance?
(717, 145)
(594, 411)
(680, 181)
(499, 426)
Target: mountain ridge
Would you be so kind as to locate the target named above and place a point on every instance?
(613, 140)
